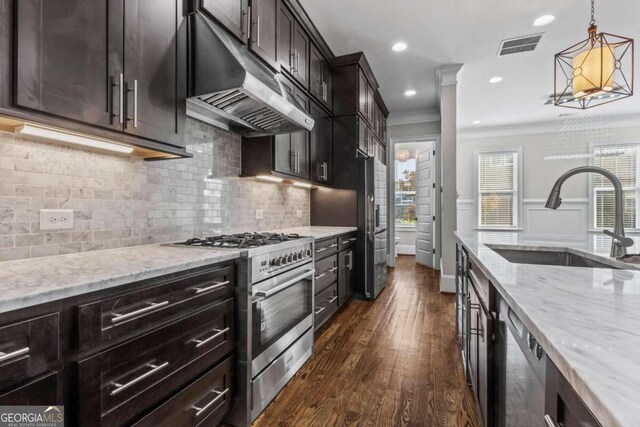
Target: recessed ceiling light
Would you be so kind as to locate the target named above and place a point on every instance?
(399, 47)
(496, 79)
(410, 92)
(544, 20)
(476, 122)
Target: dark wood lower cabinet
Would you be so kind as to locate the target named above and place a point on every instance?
(44, 390)
(562, 403)
(347, 275)
(202, 403)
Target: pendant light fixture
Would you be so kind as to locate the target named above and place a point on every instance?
(595, 71)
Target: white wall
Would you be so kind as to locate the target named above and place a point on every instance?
(538, 175)
(414, 129)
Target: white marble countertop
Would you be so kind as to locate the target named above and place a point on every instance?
(317, 232)
(35, 281)
(586, 319)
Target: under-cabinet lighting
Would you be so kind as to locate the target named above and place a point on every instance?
(269, 178)
(302, 184)
(71, 138)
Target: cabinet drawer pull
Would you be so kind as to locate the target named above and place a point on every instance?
(353, 239)
(330, 300)
(219, 395)
(549, 422)
(334, 245)
(117, 317)
(214, 287)
(218, 332)
(8, 356)
(331, 270)
(154, 368)
(320, 276)
(320, 250)
(318, 310)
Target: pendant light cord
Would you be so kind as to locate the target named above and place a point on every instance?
(593, 13)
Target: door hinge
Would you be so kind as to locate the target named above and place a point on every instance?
(434, 185)
(434, 251)
(434, 152)
(434, 217)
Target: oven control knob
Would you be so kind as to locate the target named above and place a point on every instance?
(296, 257)
(277, 261)
(309, 252)
(290, 258)
(302, 255)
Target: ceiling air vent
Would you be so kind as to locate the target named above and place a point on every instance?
(520, 44)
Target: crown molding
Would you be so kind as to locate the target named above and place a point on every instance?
(542, 127)
(413, 117)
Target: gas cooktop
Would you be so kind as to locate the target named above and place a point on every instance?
(240, 240)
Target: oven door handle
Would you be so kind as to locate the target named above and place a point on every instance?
(285, 285)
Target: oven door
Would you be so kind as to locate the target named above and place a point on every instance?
(282, 309)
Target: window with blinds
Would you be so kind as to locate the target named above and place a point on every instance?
(498, 189)
(623, 162)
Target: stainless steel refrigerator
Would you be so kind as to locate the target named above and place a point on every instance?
(372, 215)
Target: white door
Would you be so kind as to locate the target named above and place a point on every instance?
(425, 206)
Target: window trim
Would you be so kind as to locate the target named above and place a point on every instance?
(518, 202)
(591, 189)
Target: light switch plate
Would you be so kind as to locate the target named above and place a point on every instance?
(259, 214)
(56, 219)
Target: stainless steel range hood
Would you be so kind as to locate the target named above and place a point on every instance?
(229, 87)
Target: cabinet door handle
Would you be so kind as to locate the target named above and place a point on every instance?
(318, 310)
(122, 387)
(120, 85)
(135, 103)
(117, 317)
(330, 300)
(350, 255)
(297, 62)
(219, 395)
(12, 355)
(249, 23)
(320, 276)
(258, 30)
(218, 333)
(331, 270)
(213, 287)
(549, 422)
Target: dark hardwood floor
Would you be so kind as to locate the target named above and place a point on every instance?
(393, 362)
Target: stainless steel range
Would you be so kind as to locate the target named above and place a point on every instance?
(274, 312)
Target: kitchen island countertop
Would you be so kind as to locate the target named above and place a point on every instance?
(586, 319)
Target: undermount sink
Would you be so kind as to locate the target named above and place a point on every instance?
(542, 257)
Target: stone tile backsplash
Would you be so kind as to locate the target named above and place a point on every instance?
(125, 201)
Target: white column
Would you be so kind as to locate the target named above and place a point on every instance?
(447, 77)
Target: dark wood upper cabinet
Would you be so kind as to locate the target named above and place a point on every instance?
(113, 64)
(233, 14)
(154, 76)
(301, 45)
(286, 25)
(264, 14)
(363, 94)
(320, 150)
(293, 47)
(67, 74)
(320, 77)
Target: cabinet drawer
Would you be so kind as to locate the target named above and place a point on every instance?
(348, 241)
(125, 381)
(41, 391)
(204, 402)
(28, 348)
(108, 321)
(326, 273)
(326, 304)
(326, 247)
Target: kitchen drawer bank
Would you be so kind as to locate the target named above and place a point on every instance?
(125, 354)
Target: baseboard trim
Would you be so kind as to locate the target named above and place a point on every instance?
(447, 283)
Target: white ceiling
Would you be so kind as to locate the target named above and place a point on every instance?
(469, 32)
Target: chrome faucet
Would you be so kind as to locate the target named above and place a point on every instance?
(620, 243)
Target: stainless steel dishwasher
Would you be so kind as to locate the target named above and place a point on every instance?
(521, 376)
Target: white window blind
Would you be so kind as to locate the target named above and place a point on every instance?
(498, 189)
(623, 162)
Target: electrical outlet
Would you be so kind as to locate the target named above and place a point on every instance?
(259, 214)
(56, 219)
(299, 213)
